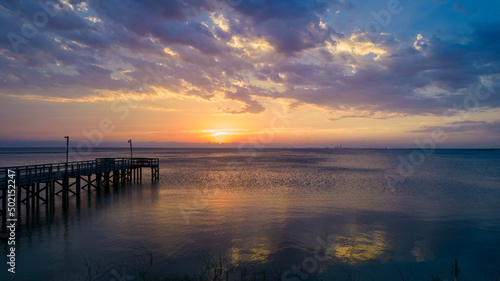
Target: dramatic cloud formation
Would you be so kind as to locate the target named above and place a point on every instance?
(454, 127)
(246, 57)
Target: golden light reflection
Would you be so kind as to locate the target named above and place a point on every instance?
(358, 249)
(255, 249)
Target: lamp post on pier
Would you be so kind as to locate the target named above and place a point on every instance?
(131, 166)
(67, 149)
(130, 141)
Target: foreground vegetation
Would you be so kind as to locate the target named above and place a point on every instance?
(216, 268)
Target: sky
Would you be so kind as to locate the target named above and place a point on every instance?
(294, 73)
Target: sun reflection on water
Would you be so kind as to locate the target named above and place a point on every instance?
(256, 249)
(358, 249)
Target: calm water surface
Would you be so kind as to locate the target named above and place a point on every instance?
(330, 212)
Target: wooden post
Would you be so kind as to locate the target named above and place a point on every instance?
(27, 201)
(78, 186)
(33, 197)
(89, 185)
(98, 180)
(37, 195)
(106, 179)
(49, 197)
(65, 186)
(47, 189)
(52, 194)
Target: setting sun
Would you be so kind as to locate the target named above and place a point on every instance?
(218, 136)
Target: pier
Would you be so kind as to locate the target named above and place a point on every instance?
(46, 183)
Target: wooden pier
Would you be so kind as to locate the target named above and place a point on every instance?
(37, 184)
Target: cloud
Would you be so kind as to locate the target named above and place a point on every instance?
(243, 95)
(273, 49)
(169, 21)
(377, 115)
(291, 26)
(393, 83)
(463, 126)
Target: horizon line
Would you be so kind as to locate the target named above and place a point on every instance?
(218, 146)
